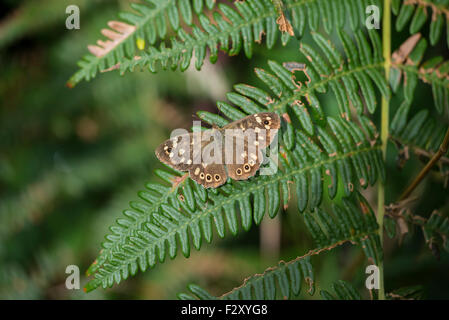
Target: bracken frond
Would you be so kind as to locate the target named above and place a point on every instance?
(316, 154)
(435, 228)
(353, 222)
(417, 12)
(148, 23)
(352, 80)
(408, 68)
(342, 291)
(173, 213)
(420, 134)
(228, 28)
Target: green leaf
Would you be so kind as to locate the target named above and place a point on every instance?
(419, 19)
(238, 26)
(286, 279)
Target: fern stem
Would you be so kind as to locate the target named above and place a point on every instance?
(436, 157)
(386, 45)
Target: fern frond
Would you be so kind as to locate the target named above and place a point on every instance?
(421, 133)
(184, 209)
(229, 28)
(327, 68)
(152, 228)
(150, 21)
(417, 13)
(329, 232)
(435, 228)
(343, 291)
(286, 279)
(408, 68)
(340, 150)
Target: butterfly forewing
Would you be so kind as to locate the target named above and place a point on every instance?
(264, 123)
(177, 152)
(208, 168)
(211, 175)
(186, 153)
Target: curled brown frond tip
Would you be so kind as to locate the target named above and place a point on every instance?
(285, 25)
(118, 32)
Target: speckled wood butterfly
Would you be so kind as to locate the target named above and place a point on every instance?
(234, 150)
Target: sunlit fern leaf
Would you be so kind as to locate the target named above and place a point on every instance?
(351, 221)
(345, 77)
(118, 32)
(408, 69)
(229, 28)
(342, 291)
(325, 68)
(149, 22)
(417, 12)
(354, 222)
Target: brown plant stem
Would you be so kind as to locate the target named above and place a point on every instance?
(436, 157)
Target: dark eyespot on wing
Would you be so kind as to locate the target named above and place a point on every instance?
(212, 176)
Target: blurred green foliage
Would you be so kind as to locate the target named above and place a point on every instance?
(72, 159)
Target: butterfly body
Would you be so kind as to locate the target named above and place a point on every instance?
(213, 155)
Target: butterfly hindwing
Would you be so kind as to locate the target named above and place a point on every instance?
(212, 175)
(246, 163)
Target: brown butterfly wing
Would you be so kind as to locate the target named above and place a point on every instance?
(262, 129)
(204, 171)
(209, 176)
(177, 152)
(268, 122)
(246, 163)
